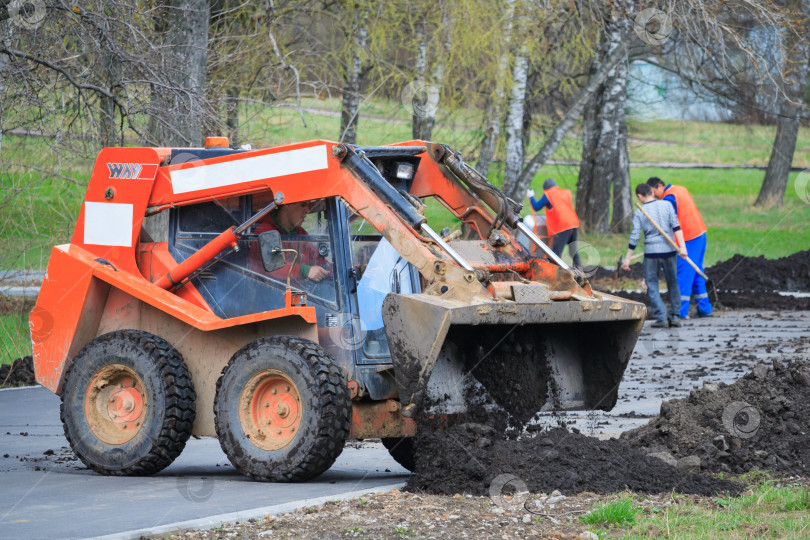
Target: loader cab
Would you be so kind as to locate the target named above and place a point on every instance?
(238, 285)
(356, 265)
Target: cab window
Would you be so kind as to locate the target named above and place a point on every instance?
(237, 284)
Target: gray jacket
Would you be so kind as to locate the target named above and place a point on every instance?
(655, 244)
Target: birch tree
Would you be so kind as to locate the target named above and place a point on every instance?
(605, 163)
(516, 107)
(353, 77)
(494, 108)
(514, 120)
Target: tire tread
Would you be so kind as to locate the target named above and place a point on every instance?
(180, 403)
(335, 414)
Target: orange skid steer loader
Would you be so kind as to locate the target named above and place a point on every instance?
(287, 299)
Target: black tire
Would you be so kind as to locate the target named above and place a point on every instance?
(122, 445)
(402, 450)
(304, 442)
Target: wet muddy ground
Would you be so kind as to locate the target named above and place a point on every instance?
(558, 452)
(669, 363)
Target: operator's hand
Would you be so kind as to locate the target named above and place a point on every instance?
(682, 252)
(529, 193)
(626, 264)
(644, 285)
(317, 273)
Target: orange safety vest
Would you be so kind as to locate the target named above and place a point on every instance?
(561, 216)
(688, 216)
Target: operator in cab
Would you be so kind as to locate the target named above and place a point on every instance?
(288, 219)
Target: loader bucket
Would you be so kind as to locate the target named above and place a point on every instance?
(567, 355)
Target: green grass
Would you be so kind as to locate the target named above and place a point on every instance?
(725, 198)
(41, 191)
(382, 121)
(769, 511)
(39, 206)
(621, 511)
(15, 339)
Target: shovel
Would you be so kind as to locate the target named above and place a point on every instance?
(675, 246)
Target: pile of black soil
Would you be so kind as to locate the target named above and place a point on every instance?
(466, 458)
(740, 273)
(741, 282)
(733, 300)
(761, 421)
(18, 373)
(603, 274)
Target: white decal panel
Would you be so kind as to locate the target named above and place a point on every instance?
(108, 224)
(249, 169)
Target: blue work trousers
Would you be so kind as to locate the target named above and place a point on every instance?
(652, 268)
(690, 282)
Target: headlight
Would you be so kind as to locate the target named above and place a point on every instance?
(405, 171)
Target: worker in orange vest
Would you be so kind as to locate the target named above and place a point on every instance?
(561, 219)
(690, 283)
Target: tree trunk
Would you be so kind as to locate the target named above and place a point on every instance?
(492, 131)
(593, 191)
(797, 49)
(110, 67)
(417, 128)
(352, 82)
(177, 112)
(604, 154)
(514, 123)
(622, 220)
(426, 93)
(494, 110)
(232, 114)
(6, 33)
(566, 123)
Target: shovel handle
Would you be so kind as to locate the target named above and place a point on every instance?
(672, 242)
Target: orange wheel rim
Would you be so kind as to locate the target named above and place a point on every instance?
(115, 404)
(270, 410)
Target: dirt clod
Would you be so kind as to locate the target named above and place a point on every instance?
(758, 422)
(467, 458)
(19, 373)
